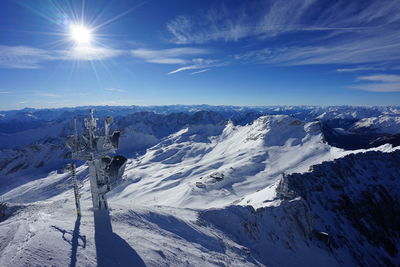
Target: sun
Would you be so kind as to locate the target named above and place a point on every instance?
(80, 34)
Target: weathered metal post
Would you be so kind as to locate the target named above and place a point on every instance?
(76, 190)
(74, 183)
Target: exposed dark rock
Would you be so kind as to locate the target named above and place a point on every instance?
(361, 139)
(356, 201)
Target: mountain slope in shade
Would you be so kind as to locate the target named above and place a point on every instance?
(344, 212)
(356, 200)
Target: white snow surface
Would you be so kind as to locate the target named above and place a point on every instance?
(159, 213)
(383, 124)
(249, 157)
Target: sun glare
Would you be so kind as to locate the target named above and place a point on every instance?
(80, 34)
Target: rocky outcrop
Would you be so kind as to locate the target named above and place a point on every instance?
(355, 200)
(342, 213)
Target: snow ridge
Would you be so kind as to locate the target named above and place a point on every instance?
(208, 186)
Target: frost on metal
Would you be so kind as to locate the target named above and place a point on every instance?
(105, 170)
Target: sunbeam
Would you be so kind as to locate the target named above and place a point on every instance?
(80, 34)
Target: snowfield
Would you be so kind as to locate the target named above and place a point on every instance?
(204, 191)
(187, 169)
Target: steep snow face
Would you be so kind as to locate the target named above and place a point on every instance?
(357, 113)
(209, 166)
(276, 236)
(46, 186)
(31, 162)
(355, 200)
(27, 137)
(353, 128)
(344, 212)
(382, 124)
(145, 129)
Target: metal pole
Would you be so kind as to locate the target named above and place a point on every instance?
(91, 128)
(76, 190)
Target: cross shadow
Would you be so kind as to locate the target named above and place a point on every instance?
(111, 249)
(74, 240)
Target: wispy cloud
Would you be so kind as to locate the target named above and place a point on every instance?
(168, 56)
(379, 87)
(90, 53)
(31, 58)
(357, 69)
(380, 78)
(265, 19)
(200, 71)
(26, 57)
(22, 57)
(376, 49)
(379, 83)
(115, 90)
(198, 63)
(52, 95)
(342, 32)
(4, 92)
(191, 67)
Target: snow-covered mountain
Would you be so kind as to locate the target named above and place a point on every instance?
(383, 124)
(214, 165)
(353, 206)
(205, 185)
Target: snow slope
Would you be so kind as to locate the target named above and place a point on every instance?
(383, 124)
(285, 232)
(186, 168)
(203, 192)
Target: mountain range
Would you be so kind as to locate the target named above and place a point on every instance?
(208, 185)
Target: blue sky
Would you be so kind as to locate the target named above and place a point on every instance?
(287, 52)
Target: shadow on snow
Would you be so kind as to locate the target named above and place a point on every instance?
(111, 249)
(74, 240)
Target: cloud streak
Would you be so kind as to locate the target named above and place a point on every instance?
(22, 57)
(264, 19)
(376, 49)
(168, 56)
(115, 90)
(380, 78)
(51, 95)
(26, 57)
(198, 63)
(90, 53)
(339, 32)
(357, 69)
(380, 87)
(379, 83)
(200, 71)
